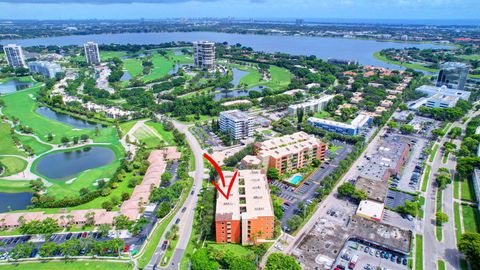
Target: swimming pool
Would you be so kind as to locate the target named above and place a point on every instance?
(295, 179)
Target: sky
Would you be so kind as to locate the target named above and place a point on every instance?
(159, 9)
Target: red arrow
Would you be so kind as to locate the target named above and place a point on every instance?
(220, 173)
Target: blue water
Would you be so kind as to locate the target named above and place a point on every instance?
(13, 86)
(66, 165)
(14, 201)
(66, 119)
(238, 75)
(296, 179)
(341, 48)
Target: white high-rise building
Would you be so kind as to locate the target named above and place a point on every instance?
(45, 68)
(14, 55)
(204, 54)
(236, 123)
(92, 54)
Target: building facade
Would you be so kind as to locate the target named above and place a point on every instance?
(247, 216)
(47, 69)
(354, 128)
(236, 123)
(476, 185)
(14, 55)
(204, 52)
(314, 105)
(290, 151)
(453, 75)
(92, 54)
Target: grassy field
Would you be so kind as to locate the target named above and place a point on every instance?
(70, 265)
(470, 57)
(126, 126)
(133, 66)
(322, 114)
(166, 135)
(105, 55)
(13, 165)
(471, 218)
(23, 106)
(433, 153)
(37, 146)
(236, 249)
(426, 176)
(148, 137)
(456, 187)
(439, 228)
(252, 78)
(14, 186)
(418, 252)
(458, 222)
(7, 146)
(163, 64)
(466, 189)
(441, 265)
(280, 78)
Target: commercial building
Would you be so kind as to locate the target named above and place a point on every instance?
(14, 55)
(289, 152)
(354, 128)
(314, 105)
(476, 185)
(92, 54)
(453, 75)
(376, 190)
(433, 90)
(247, 216)
(236, 123)
(47, 69)
(370, 210)
(204, 52)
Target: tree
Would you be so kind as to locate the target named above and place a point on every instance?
(103, 230)
(294, 222)
(279, 261)
(107, 205)
(202, 261)
(84, 137)
(409, 208)
(163, 209)
(455, 132)
(65, 140)
(75, 139)
(47, 249)
(392, 124)
(22, 250)
(166, 176)
(406, 129)
(273, 174)
(439, 132)
(441, 218)
(49, 137)
(469, 245)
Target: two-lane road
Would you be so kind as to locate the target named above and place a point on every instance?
(186, 217)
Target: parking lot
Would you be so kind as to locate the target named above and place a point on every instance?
(364, 255)
(307, 192)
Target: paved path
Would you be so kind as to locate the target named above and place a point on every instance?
(186, 218)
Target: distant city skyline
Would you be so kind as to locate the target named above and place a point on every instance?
(158, 9)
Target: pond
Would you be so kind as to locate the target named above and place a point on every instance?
(12, 86)
(14, 201)
(238, 75)
(231, 94)
(126, 76)
(175, 69)
(66, 165)
(66, 119)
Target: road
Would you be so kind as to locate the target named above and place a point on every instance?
(445, 250)
(186, 218)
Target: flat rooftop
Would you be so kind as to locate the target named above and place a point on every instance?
(286, 145)
(357, 122)
(312, 102)
(371, 209)
(235, 115)
(375, 189)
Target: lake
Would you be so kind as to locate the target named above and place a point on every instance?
(238, 75)
(341, 48)
(12, 86)
(66, 119)
(14, 201)
(66, 165)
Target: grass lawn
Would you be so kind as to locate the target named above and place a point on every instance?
(7, 146)
(433, 153)
(418, 252)
(456, 187)
(166, 135)
(280, 78)
(23, 106)
(236, 249)
(126, 126)
(148, 137)
(407, 65)
(13, 165)
(466, 188)
(133, 66)
(441, 265)
(470, 57)
(471, 219)
(105, 55)
(426, 176)
(322, 114)
(14, 186)
(163, 64)
(70, 265)
(439, 228)
(252, 78)
(37, 146)
(458, 222)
